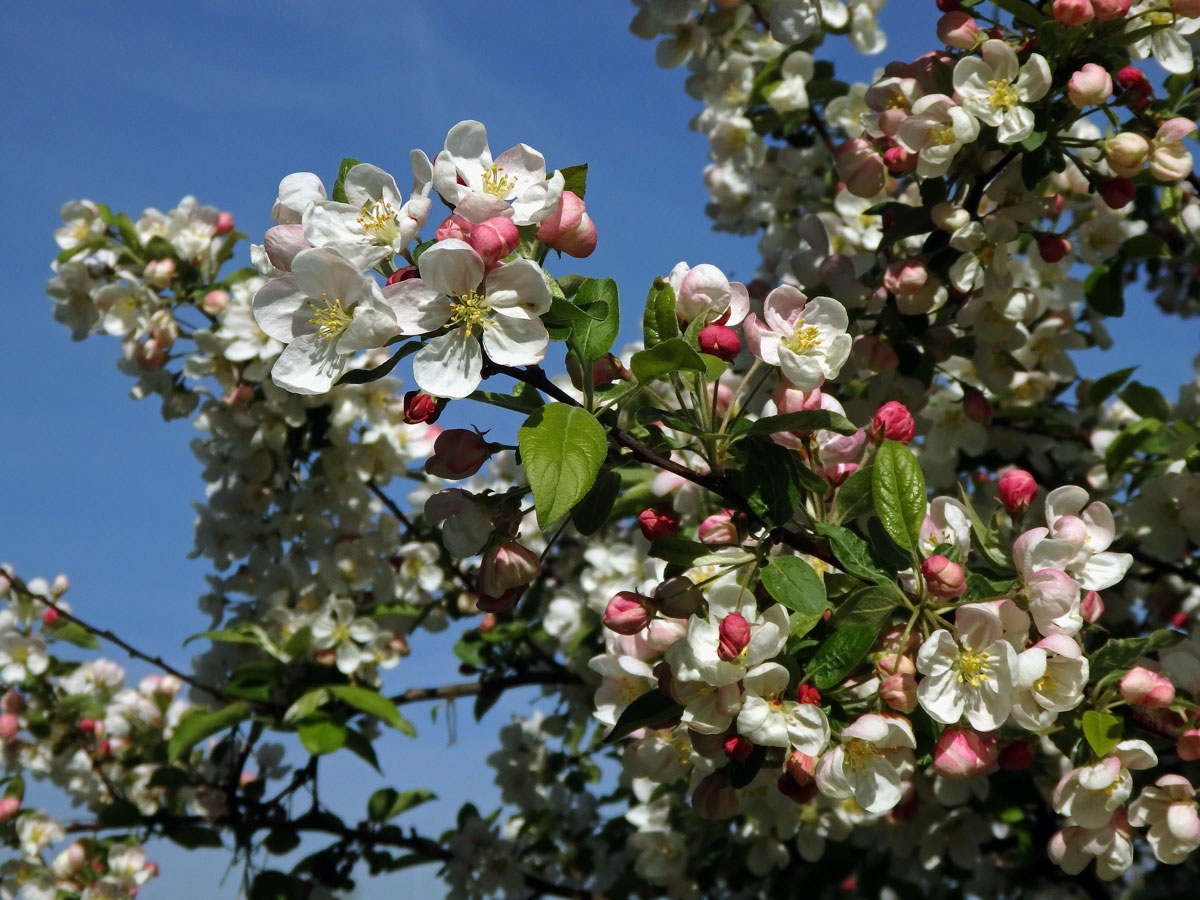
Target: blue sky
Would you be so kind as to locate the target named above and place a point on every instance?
(136, 104)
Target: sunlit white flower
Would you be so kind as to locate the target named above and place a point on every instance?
(769, 718)
(1051, 676)
(805, 338)
(1168, 807)
(871, 763)
(973, 675)
(1089, 795)
(995, 92)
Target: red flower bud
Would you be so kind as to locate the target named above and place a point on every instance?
(9, 726)
(976, 406)
(1053, 247)
(656, 524)
(737, 747)
(627, 613)
(1091, 607)
(806, 693)
(734, 636)
(494, 239)
(1015, 755)
(421, 407)
(1117, 192)
(1017, 490)
(943, 577)
(569, 229)
(720, 341)
(894, 422)
(714, 798)
(1141, 687)
(404, 274)
(962, 752)
(49, 617)
(457, 453)
(1072, 12)
(224, 223)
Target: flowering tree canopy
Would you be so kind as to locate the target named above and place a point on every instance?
(839, 582)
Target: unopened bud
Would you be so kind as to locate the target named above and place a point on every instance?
(12, 702)
(487, 623)
(224, 223)
(801, 767)
(1091, 606)
(238, 395)
(720, 341)
(1141, 687)
(421, 407)
(718, 529)
(49, 617)
(860, 167)
(1126, 153)
(9, 807)
(963, 752)
(678, 597)
(1117, 193)
(943, 577)
(457, 453)
(505, 566)
(894, 422)
(1090, 86)
(1015, 755)
(1188, 745)
(656, 524)
(9, 726)
(159, 272)
(627, 613)
(898, 160)
(737, 747)
(715, 799)
(976, 406)
(1109, 10)
(1017, 491)
(214, 302)
(873, 354)
(405, 274)
(1072, 12)
(905, 276)
(1053, 248)
(455, 227)
(958, 29)
(569, 229)
(494, 239)
(899, 692)
(734, 636)
(949, 217)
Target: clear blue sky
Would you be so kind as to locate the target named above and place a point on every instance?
(136, 104)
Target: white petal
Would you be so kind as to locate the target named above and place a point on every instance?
(512, 341)
(308, 365)
(449, 365)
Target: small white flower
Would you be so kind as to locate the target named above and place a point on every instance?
(870, 764)
(1051, 676)
(805, 338)
(936, 131)
(1091, 794)
(1168, 807)
(995, 92)
(768, 718)
(972, 675)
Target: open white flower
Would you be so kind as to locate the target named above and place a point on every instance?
(1110, 845)
(374, 223)
(1169, 808)
(698, 657)
(870, 764)
(480, 188)
(936, 131)
(768, 718)
(1169, 44)
(972, 675)
(805, 338)
(1076, 541)
(1091, 794)
(995, 92)
(337, 629)
(502, 310)
(325, 311)
(1051, 676)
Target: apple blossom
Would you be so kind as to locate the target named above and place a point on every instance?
(994, 89)
(805, 338)
(870, 764)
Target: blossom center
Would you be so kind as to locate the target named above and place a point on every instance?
(330, 319)
(943, 135)
(1044, 684)
(859, 753)
(495, 183)
(973, 667)
(380, 220)
(803, 339)
(1162, 17)
(470, 310)
(1004, 95)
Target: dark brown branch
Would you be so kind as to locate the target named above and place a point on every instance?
(471, 688)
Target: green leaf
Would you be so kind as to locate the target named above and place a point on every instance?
(869, 606)
(1036, 139)
(569, 284)
(1145, 246)
(307, 704)
(562, 450)
(281, 841)
(652, 708)
(658, 320)
(372, 702)
(1104, 387)
(1103, 732)
(593, 333)
(681, 551)
(1115, 657)
(593, 511)
(1144, 400)
(387, 803)
(193, 836)
(575, 179)
(898, 488)
(839, 654)
(72, 632)
(805, 420)
(986, 539)
(1128, 441)
(357, 743)
(1104, 287)
(321, 735)
(196, 726)
(773, 479)
(84, 247)
(855, 496)
(363, 376)
(672, 355)
(128, 231)
(714, 366)
(338, 194)
(793, 583)
(273, 885)
(524, 402)
(852, 553)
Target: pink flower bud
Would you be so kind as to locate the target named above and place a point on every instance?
(1053, 247)
(1072, 12)
(1090, 86)
(892, 663)
(905, 276)
(487, 623)
(1126, 153)
(721, 341)
(1109, 10)
(962, 752)
(457, 453)
(734, 635)
(801, 767)
(49, 617)
(505, 566)
(656, 524)
(1141, 687)
(1117, 192)
(87, 726)
(1188, 745)
(898, 160)
(159, 272)
(1017, 491)
(737, 747)
(569, 229)
(238, 395)
(224, 223)
(894, 422)
(718, 529)
(943, 577)
(899, 692)
(9, 807)
(715, 799)
(861, 167)
(455, 227)
(1015, 755)
(806, 693)
(873, 354)
(9, 726)
(678, 597)
(957, 29)
(214, 303)
(12, 702)
(484, 603)
(494, 239)
(1091, 607)
(976, 406)
(281, 243)
(404, 274)
(627, 613)
(420, 407)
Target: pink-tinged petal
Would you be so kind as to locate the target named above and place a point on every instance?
(871, 728)
(366, 183)
(1104, 570)
(523, 165)
(478, 207)
(784, 307)
(418, 308)
(1061, 644)
(1068, 500)
(753, 329)
(978, 625)
(451, 267)
(1173, 130)
(739, 303)
(1101, 775)
(370, 328)
(1023, 548)
(281, 309)
(1101, 528)
(449, 365)
(518, 288)
(296, 192)
(281, 244)
(308, 365)
(1001, 58)
(468, 141)
(512, 341)
(1183, 822)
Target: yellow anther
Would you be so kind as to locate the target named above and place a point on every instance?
(943, 135)
(858, 753)
(380, 220)
(496, 184)
(470, 310)
(803, 339)
(1004, 96)
(973, 667)
(329, 318)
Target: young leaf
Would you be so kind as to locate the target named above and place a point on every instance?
(853, 553)
(658, 320)
(593, 511)
(1104, 287)
(562, 449)
(773, 480)
(855, 496)
(672, 355)
(196, 726)
(899, 491)
(338, 194)
(839, 654)
(1103, 732)
(792, 582)
(321, 735)
(387, 803)
(652, 708)
(593, 333)
(575, 179)
(805, 420)
(870, 606)
(1105, 386)
(372, 702)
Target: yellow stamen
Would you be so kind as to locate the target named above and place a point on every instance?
(858, 753)
(496, 184)
(330, 319)
(803, 339)
(380, 220)
(470, 310)
(1004, 96)
(973, 667)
